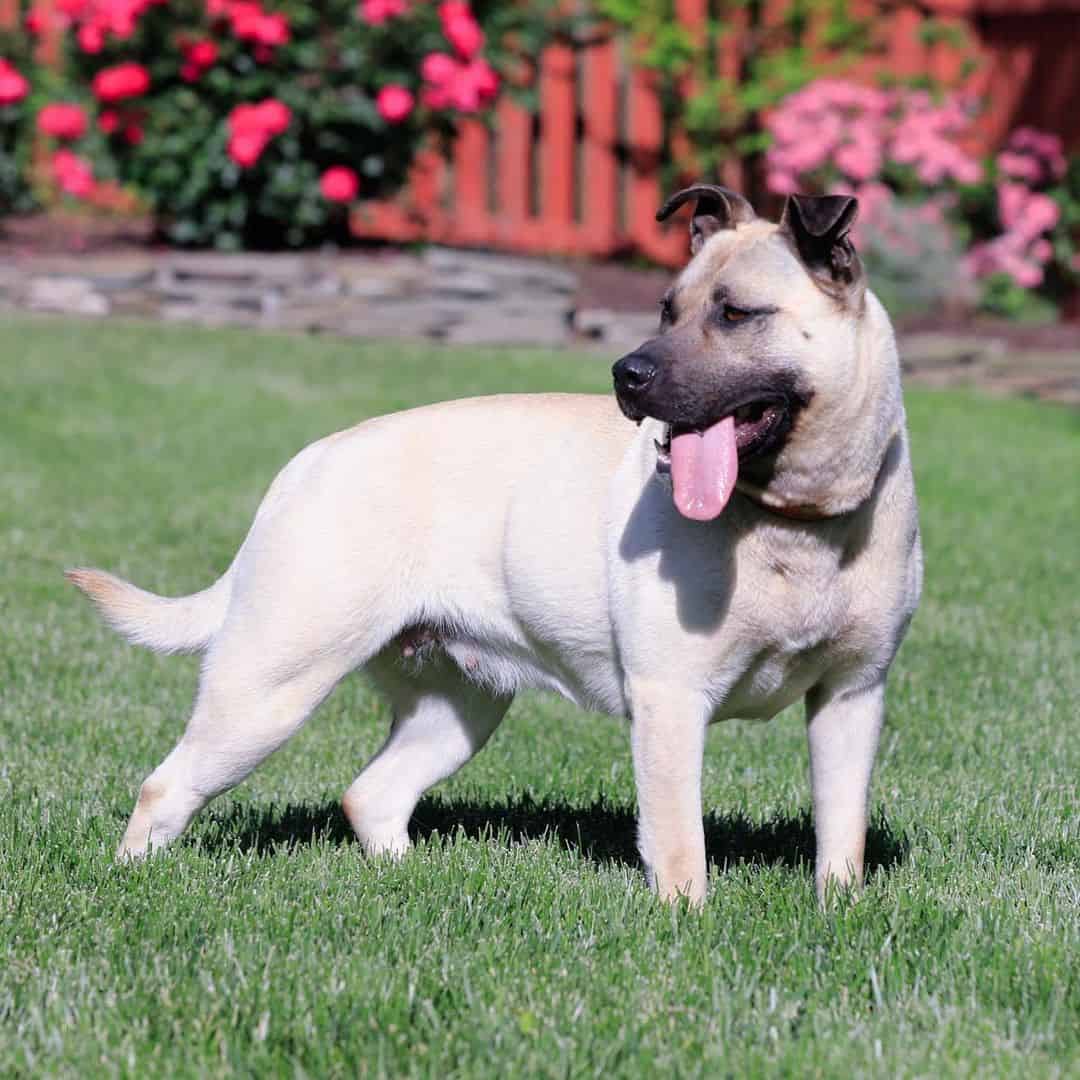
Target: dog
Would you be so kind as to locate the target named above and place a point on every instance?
(752, 541)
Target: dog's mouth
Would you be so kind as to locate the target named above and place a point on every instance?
(703, 461)
(755, 425)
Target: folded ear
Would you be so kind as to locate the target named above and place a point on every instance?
(717, 208)
(819, 225)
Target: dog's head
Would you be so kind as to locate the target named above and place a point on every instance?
(762, 347)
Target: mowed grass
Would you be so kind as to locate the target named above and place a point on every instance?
(518, 938)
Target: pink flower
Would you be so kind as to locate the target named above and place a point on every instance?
(1020, 166)
(465, 87)
(484, 79)
(376, 12)
(91, 38)
(1042, 250)
(461, 29)
(133, 134)
(394, 103)
(1040, 214)
(203, 53)
(1042, 144)
(339, 184)
(244, 15)
(199, 56)
(108, 121)
(122, 81)
(62, 121)
(270, 116)
(271, 30)
(246, 147)
(1032, 155)
(13, 86)
(438, 68)
(273, 115)
(859, 160)
(1011, 199)
(966, 170)
(782, 182)
(251, 128)
(250, 23)
(72, 173)
(1026, 274)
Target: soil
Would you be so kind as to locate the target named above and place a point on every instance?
(73, 234)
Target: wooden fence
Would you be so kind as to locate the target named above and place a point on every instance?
(583, 176)
(580, 177)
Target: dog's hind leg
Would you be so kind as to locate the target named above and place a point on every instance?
(440, 721)
(245, 709)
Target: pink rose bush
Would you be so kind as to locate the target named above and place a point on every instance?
(259, 122)
(921, 194)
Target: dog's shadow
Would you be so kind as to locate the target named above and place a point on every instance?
(602, 832)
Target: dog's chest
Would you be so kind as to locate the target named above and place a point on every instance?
(788, 624)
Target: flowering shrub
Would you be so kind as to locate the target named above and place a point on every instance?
(922, 196)
(252, 123)
(874, 143)
(1024, 219)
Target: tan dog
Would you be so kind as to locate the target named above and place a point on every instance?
(752, 542)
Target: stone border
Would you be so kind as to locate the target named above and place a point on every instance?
(440, 294)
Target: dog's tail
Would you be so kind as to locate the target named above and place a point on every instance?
(164, 624)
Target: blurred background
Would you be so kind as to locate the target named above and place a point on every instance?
(554, 130)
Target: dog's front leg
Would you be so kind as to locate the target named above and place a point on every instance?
(843, 730)
(667, 734)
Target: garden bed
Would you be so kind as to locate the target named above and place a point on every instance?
(454, 296)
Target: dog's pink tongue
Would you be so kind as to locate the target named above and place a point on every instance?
(704, 469)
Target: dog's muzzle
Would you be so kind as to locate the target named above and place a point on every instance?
(633, 376)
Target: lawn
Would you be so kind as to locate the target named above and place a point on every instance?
(518, 938)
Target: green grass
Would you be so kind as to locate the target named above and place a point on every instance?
(518, 938)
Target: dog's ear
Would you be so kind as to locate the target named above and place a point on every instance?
(716, 208)
(819, 225)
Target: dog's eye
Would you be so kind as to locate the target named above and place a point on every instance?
(734, 315)
(667, 312)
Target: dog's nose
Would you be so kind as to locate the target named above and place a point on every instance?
(634, 372)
